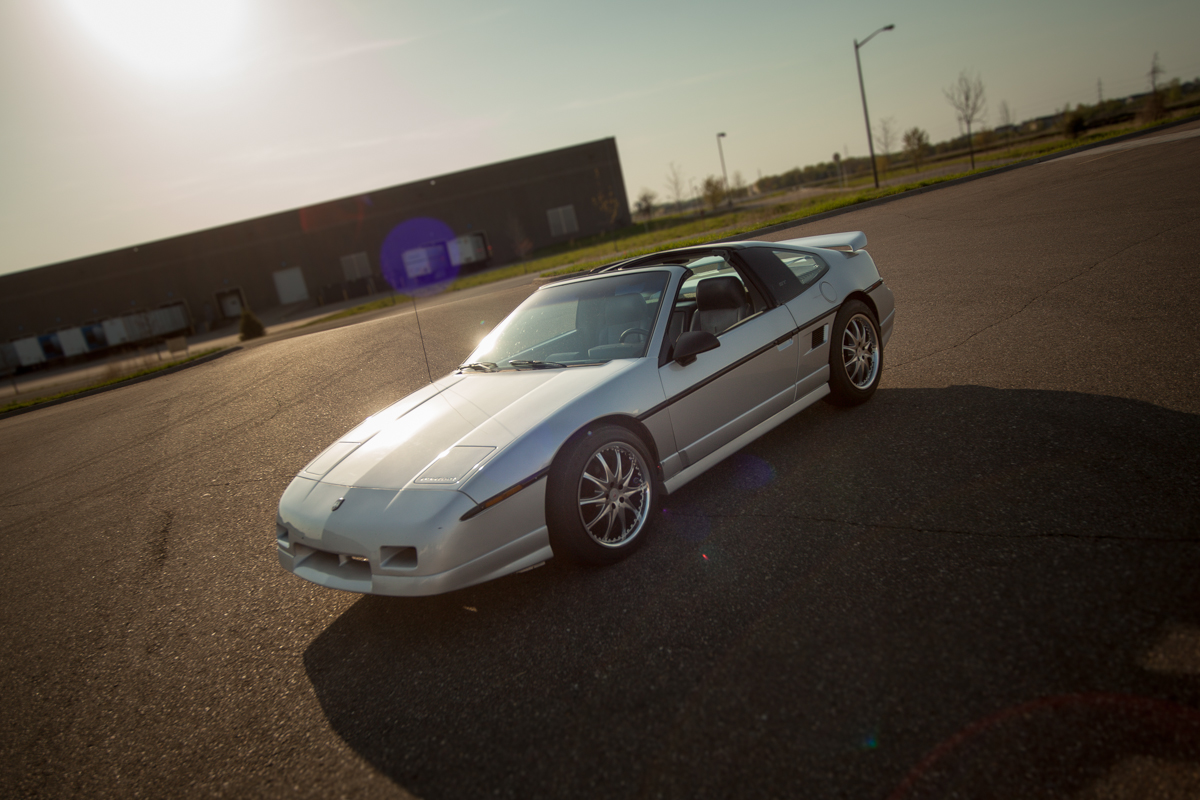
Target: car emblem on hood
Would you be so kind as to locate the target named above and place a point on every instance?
(338, 504)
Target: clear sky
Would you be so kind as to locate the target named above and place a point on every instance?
(126, 121)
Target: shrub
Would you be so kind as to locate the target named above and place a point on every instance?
(250, 326)
(1152, 111)
(1073, 124)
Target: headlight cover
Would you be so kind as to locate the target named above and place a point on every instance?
(451, 466)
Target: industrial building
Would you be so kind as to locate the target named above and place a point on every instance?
(495, 214)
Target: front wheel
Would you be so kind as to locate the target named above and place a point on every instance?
(855, 355)
(600, 496)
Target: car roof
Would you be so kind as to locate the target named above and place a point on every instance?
(648, 259)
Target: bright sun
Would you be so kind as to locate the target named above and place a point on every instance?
(168, 38)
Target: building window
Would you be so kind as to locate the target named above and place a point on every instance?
(562, 221)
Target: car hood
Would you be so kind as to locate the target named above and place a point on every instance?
(460, 422)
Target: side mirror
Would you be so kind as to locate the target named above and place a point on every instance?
(691, 344)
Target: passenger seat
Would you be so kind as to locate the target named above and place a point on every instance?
(721, 304)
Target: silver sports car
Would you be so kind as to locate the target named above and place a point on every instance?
(597, 396)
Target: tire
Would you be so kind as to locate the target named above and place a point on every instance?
(855, 355)
(601, 496)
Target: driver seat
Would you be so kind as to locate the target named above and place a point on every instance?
(622, 312)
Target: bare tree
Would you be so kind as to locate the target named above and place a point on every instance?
(605, 201)
(1006, 118)
(967, 97)
(916, 144)
(522, 245)
(676, 187)
(885, 137)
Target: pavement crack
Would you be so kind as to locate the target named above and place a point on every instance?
(1042, 295)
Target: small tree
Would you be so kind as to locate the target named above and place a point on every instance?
(645, 204)
(967, 97)
(1072, 122)
(676, 186)
(606, 202)
(250, 326)
(885, 137)
(916, 144)
(609, 207)
(713, 191)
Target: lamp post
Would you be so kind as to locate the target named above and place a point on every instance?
(866, 116)
(724, 174)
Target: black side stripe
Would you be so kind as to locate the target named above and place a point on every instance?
(740, 362)
(497, 498)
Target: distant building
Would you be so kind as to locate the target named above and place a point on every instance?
(493, 214)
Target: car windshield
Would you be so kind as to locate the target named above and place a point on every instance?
(581, 322)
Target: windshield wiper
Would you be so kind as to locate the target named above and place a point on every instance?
(482, 366)
(524, 362)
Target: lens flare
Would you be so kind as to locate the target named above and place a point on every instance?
(419, 256)
(751, 472)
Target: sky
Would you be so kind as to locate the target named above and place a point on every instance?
(128, 121)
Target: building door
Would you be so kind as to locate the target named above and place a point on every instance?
(230, 303)
(289, 283)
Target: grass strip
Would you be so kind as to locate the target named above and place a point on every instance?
(671, 232)
(374, 305)
(13, 406)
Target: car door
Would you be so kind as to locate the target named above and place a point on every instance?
(795, 278)
(727, 391)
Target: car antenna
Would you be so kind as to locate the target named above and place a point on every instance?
(421, 336)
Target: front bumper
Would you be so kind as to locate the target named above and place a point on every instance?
(406, 543)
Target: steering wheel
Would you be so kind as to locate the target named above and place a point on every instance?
(632, 331)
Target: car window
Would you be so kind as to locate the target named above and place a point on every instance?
(729, 300)
(786, 273)
(805, 266)
(709, 267)
(580, 322)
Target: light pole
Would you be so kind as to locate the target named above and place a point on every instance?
(858, 63)
(724, 174)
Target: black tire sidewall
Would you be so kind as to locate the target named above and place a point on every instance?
(568, 538)
(841, 391)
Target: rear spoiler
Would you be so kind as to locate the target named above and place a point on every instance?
(849, 242)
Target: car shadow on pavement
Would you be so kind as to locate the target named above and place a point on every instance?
(945, 592)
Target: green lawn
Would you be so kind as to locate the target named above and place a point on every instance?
(13, 406)
(683, 230)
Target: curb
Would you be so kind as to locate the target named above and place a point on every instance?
(16, 412)
(782, 226)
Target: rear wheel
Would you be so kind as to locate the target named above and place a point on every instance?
(855, 355)
(600, 496)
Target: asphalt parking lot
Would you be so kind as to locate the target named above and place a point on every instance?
(980, 584)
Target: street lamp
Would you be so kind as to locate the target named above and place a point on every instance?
(858, 63)
(724, 174)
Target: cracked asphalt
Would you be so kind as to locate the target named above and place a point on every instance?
(983, 583)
